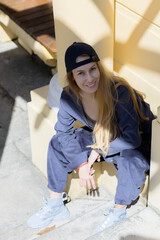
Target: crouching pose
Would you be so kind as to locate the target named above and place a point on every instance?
(117, 127)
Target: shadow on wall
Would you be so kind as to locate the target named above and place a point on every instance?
(99, 170)
(151, 58)
(105, 41)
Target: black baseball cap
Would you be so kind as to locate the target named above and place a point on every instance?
(77, 49)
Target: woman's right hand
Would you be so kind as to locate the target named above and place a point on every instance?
(86, 178)
(94, 156)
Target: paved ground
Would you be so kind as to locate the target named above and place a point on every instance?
(22, 186)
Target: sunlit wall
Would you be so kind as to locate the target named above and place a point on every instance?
(137, 46)
(90, 21)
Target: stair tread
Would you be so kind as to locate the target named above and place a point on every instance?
(87, 213)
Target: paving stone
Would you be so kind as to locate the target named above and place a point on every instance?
(21, 72)
(22, 185)
(22, 188)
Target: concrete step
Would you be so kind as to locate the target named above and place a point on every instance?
(141, 225)
(87, 212)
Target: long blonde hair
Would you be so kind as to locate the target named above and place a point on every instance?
(105, 129)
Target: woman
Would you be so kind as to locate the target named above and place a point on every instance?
(117, 128)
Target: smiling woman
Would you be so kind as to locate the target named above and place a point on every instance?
(117, 129)
(86, 76)
(87, 79)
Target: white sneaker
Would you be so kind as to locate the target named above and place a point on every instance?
(114, 216)
(53, 209)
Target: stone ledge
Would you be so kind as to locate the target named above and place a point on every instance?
(10, 30)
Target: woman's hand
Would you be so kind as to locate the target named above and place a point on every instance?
(86, 178)
(86, 172)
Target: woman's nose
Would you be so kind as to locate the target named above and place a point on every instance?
(89, 77)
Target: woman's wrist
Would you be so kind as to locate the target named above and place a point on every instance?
(83, 164)
(97, 151)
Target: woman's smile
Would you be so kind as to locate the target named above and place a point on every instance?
(92, 85)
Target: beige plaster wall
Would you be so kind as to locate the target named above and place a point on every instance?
(137, 58)
(90, 21)
(137, 46)
(41, 123)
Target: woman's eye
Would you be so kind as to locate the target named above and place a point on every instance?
(92, 69)
(80, 73)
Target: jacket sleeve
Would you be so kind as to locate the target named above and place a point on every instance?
(65, 132)
(128, 123)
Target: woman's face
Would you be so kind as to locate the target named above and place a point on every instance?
(87, 76)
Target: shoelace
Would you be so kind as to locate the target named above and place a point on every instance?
(111, 215)
(44, 209)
